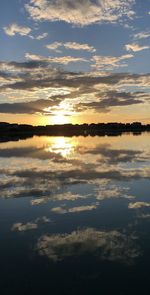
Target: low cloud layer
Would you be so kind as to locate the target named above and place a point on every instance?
(94, 91)
(110, 62)
(64, 60)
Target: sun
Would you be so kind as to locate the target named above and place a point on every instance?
(62, 114)
(60, 119)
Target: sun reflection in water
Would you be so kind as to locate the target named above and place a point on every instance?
(61, 145)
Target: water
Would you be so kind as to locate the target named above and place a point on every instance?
(75, 215)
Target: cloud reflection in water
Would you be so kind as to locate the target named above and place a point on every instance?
(111, 246)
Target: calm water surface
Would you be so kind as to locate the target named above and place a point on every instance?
(75, 215)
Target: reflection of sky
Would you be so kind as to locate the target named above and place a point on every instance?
(48, 167)
(74, 196)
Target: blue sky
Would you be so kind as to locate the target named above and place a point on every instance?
(92, 39)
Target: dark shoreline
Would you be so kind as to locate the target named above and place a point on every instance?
(23, 131)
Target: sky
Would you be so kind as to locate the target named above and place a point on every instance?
(83, 61)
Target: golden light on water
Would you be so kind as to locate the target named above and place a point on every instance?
(61, 145)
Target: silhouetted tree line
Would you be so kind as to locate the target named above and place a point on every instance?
(101, 129)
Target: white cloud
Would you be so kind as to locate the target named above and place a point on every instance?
(138, 205)
(135, 47)
(14, 29)
(104, 62)
(70, 45)
(142, 35)
(39, 37)
(79, 46)
(80, 12)
(54, 46)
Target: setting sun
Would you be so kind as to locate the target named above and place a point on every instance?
(60, 119)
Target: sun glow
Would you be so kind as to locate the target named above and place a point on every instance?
(60, 119)
(63, 114)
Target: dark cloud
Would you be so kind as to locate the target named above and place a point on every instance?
(113, 99)
(30, 107)
(114, 156)
(33, 64)
(47, 76)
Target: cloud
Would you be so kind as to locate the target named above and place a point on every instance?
(30, 225)
(135, 47)
(64, 210)
(138, 205)
(49, 183)
(64, 60)
(48, 106)
(70, 45)
(111, 99)
(67, 196)
(111, 245)
(142, 35)
(97, 91)
(109, 155)
(31, 107)
(24, 227)
(38, 201)
(14, 29)
(54, 46)
(109, 62)
(80, 12)
(79, 46)
(31, 152)
(39, 37)
(111, 192)
(65, 174)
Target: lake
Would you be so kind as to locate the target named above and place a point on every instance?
(75, 215)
